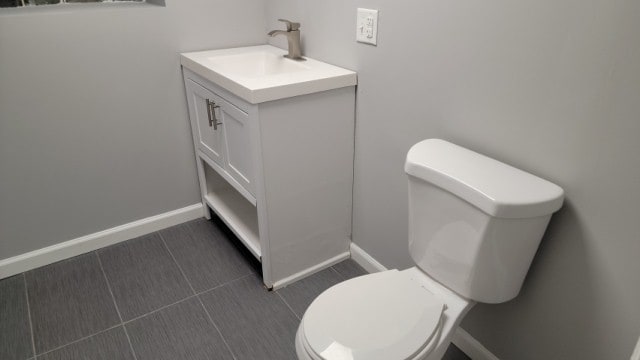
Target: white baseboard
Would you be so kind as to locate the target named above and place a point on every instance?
(365, 260)
(636, 352)
(50, 254)
(470, 346)
(462, 339)
(310, 271)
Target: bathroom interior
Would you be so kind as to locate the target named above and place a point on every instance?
(110, 247)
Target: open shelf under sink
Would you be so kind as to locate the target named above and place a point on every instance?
(234, 210)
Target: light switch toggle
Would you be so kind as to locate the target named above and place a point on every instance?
(367, 26)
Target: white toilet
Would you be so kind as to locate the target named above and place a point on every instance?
(474, 227)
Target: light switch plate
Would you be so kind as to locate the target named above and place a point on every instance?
(367, 26)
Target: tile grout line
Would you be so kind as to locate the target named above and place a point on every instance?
(346, 276)
(197, 297)
(126, 333)
(164, 243)
(113, 298)
(33, 337)
(158, 309)
(189, 283)
(216, 327)
(79, 340)
(181, 300)
(336, 271)
(122, 322)
(141, 316)
(104, 275)
(288, 306)
(343, 276)
(225, 284)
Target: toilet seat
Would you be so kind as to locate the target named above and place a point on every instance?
(380, 316)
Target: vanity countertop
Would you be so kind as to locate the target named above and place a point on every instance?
(260, 73)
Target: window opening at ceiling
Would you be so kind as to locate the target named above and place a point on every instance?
(28, 3)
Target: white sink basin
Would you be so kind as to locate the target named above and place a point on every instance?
(261, 73)
(255, 64)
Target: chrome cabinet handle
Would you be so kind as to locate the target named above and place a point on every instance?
(211, 113)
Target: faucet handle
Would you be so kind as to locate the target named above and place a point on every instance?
(291, 26)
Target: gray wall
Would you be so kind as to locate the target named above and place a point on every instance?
(94, 134)
(552, 87)
(93, 122)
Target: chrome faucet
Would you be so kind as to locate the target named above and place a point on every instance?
(293, 39)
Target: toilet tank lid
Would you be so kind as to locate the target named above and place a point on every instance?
(496, 188)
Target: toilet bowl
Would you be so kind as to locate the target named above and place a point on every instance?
(387, 315)
(474, 227)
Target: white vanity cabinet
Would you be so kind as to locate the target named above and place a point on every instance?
(221, 132)
(278, 172)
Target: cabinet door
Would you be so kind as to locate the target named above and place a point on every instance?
(209, 140)
(238, 159)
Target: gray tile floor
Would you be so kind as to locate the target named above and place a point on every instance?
(187, 292)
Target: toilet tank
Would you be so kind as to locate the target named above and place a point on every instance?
(475, 223)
